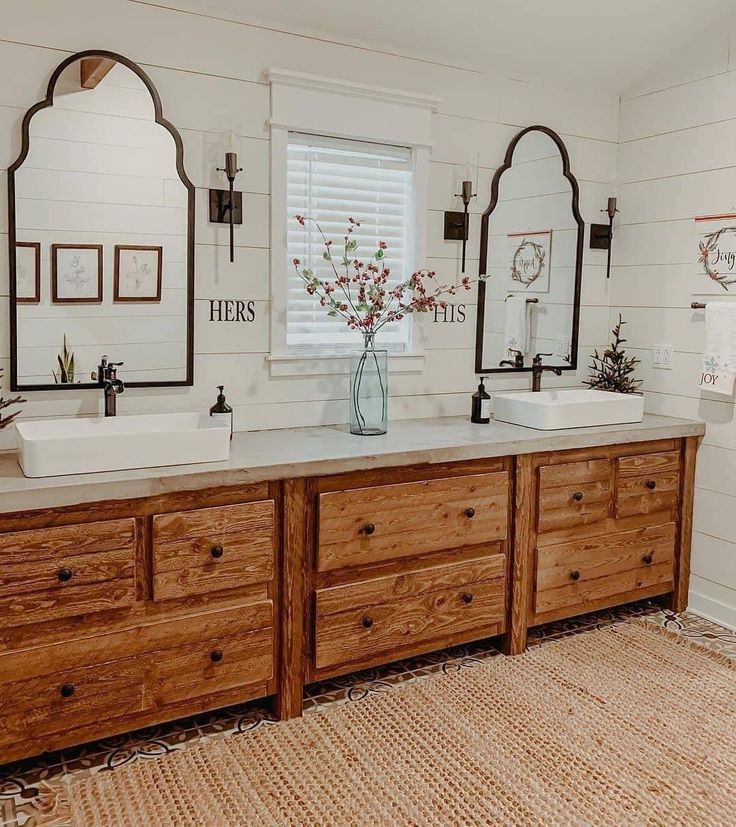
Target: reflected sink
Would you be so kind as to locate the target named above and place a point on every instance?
(50, 448)
(554, 410)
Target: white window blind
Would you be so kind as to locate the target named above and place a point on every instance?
(329, 180)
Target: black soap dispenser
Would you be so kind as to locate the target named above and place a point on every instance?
(221, 412)
(481, 409)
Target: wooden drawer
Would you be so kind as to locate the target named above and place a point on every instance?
(211, 549)
(388, 522)
(648, 483)
(62, 571)
(583, 572)
(574, 493)
(390, 617)
(134, 672)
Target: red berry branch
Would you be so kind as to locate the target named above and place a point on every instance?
(360, 291)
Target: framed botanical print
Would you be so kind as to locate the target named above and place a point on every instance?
(138, 273)
(27, 272)
(76, 273)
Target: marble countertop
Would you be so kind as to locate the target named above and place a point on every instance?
(301, 452)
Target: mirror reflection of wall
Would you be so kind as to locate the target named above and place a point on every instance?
(531, 256)
(101, 217)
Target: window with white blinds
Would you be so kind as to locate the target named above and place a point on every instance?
(329, 180)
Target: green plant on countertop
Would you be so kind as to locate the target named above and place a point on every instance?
(613, 371)
(6, 403)
(66, 366)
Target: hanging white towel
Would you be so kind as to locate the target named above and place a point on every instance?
(517, 329)
(719, 353)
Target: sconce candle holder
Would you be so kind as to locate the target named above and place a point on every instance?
(601, 235)
(457, 223)
(226, 206)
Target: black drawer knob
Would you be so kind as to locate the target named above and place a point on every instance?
(577, 496)
(217, 552)
(368, 528)
(647, 558)
(470, 513)
(216, 655)
(67, 690)
(651, 485)
(467, 597)
(65, 575)
(575, 575)
(367, 622)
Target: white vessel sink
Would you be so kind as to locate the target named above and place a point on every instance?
(554, 410)
(50, 448)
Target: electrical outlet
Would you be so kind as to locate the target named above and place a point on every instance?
(662, 357)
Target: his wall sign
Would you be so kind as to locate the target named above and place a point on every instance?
(452, 313)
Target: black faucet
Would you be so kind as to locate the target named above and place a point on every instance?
(106, 376)
(518, 360)
(538, 369)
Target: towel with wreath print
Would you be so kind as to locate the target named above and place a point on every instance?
(719, 354)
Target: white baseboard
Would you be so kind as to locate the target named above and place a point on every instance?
(714, 610)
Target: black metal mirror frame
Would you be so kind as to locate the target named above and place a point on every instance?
(25, 146)
(480, 318)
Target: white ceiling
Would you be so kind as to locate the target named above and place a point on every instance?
(606, 44)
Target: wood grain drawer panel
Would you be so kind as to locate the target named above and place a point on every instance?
(574, 493)
(602, 556)
(101, 691)
(380, 616)
(640, 464)
(58, 542)
(627, 584)
(183, 560)
(63, 571)
(648, 494)
(190, 671)
(411, 518)
(574, 473)
(136, 671)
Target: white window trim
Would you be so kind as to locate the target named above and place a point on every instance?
(341, 109)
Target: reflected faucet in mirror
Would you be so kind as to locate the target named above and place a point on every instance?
(538, 369)
(106, 377)
(517, 363)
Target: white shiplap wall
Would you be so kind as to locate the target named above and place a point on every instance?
(210, 77)
(678, 160)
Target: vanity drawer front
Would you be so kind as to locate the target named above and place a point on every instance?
(211, 549)
(574, 493)
(383, 619)
(388, 522)
(596, 568)
(62, 571)
(648, 483)
(211, 666)
(57, 689)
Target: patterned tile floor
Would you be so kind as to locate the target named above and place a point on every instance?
(25, 788)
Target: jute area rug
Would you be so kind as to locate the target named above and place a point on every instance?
(627, 725)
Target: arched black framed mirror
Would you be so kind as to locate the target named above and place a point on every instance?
(531, 252)
(101, 233)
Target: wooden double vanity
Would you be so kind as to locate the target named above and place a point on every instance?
(132, 598)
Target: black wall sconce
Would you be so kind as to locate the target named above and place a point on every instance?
(226, 206)
(457, 224)
(601, 235)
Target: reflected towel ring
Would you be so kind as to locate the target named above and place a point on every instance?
(528, 301)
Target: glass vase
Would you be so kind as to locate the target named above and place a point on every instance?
(369, 389)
